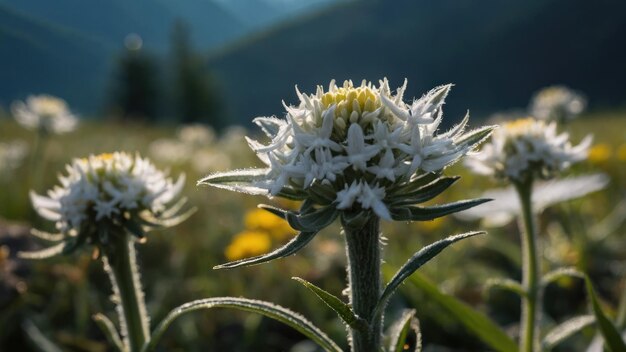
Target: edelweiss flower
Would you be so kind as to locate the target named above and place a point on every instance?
(353, 148)
(525, 148)
(557, 103)
(44, 113)
(108, 193)
(11, 156)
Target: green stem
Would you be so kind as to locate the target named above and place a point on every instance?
(120, 263)
(531, 304)
(364, 262)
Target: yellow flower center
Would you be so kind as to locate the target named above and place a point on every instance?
(519, 126)
(351, 100)
(105, 156)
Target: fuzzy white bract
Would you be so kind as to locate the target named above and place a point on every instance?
(557, 103)
(106, 187)
(526, 148)
(44, 113)
(359, 143)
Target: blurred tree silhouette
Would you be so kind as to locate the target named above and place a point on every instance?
(195, 97)
(135, 92)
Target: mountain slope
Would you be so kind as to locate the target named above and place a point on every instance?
(38, 57)
(112, 20)
(496, 52)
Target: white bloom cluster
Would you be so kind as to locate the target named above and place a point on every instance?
(360, 140)
(106, 186)
(44, 113)
(196, 144)
(11, 155)
(525, 148)
(557, 103)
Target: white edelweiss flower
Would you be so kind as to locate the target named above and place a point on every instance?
(106, 187)
(557, 103)
(361, 142)
(44, 113)
(525, 148)
(12, 155)
(196, 135)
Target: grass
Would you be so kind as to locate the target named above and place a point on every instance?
(60, 295)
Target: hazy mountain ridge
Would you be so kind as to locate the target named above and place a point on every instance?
(496, 52)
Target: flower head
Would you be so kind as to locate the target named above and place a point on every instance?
(11, 156)
(102, 195)
(44, 113)
(353, 148)
(557, 103)
(526, 148)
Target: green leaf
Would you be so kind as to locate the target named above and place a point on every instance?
(612, 338)
(107, 327)
(414, 183)
(400, 330)
(475, 136)
(561, 272)
(291, 247)
(292, 194)
(47, 236)
(481, 325)
(37, 339)
(237, 180)
(267, 309)
(566, 329)
(410, 213)
(44, 253)
(417, 260)
(153, 222)
(506, 284)
(342, 309)
(423, 193)
(314, 220)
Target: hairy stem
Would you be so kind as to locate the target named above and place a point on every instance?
(121, 265)
(531, 304)
(364, 261)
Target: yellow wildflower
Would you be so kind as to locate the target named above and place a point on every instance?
(263, 221)
(599, 153)
(248, 244)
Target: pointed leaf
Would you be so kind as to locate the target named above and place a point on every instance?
(424, 193)
(44, 253)
(400, 332)
(342, 309)
(288, 249)
(314, 220)
(107, 327)
(292, 194)
(415, 183)
(566, 329)
(476, 322)
(37, 338)
(475, 136)
(559, 273)
(237, 180)
(612, 338)
(417, 260)
(267, 309)
(47, 236)
(410, 213)
(506, 284)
